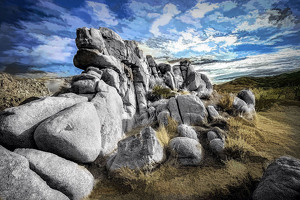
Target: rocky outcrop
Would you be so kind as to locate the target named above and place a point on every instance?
(17, 124)
(281, 180)
(187, 151)
(109, 107)
(138, 152)
(74, 181)
(18, 181)
(73, 133)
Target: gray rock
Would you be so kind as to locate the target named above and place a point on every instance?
(109, 107)
(174, 110)
(80, 97)
(141, 75)
(151, 61)
(85, 76)
(187, 151)
(211, 135)
(200, 83)
(85, 58)
(73, 180)
(94, 71)
(138, 151)
(19, 182)
(90, 38)
(170, 80)
(280, 181)
(193, 81)
(72, 133)
(242, 108)
(187, 131)
(178, 76)
(141, 97)
(213, 113)
(114, 44)
(247, 96)
(164, 68)
(217, 145)
(111, 78)
(162, 117)
(129, 100)
(85, 86)
(192, 110)
(17, 124)
(205, 90)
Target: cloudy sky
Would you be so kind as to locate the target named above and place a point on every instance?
(40, 33)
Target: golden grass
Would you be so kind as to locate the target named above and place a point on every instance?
(162, 136)
(226, 101)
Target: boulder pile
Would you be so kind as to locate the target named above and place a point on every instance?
(43, 143)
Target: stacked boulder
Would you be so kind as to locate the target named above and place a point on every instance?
(186, 148)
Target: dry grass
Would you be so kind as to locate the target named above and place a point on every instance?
(16, 90)
(250, 146)
(226, 101)
(162, 136)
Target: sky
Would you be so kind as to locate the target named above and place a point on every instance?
(40, 34)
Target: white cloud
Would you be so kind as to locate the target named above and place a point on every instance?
(169, 11)
(103, 13)
(53, 49)
(193, 15)
(263, 21)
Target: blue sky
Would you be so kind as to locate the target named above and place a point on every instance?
(40, 34)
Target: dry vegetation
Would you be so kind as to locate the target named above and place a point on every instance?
(14, 91)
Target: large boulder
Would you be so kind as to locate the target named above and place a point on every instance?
(192, 110)
(247, 96)
(187, 131)
(17, 124)
(73, 180)
(280, 181)
(138, 151)
(187, 151)
(90, 38)
(164, 68)
(73, 133)
(109, 107)
(200, 83)
(85, 58)
(18, 181)
(170, 80)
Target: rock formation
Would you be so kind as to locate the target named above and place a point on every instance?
(108, 99)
